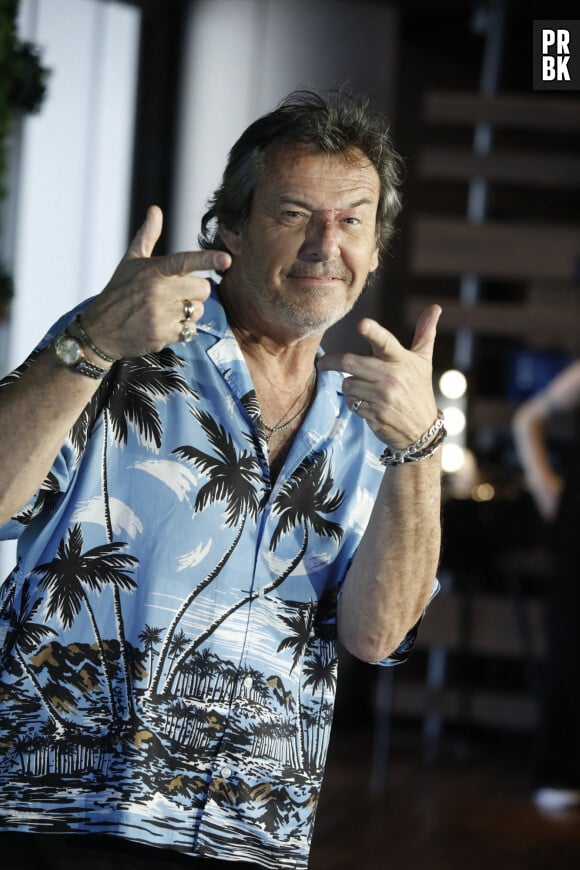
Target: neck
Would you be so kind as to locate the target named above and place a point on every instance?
(295, 411)
(283, 373)
(273, 347)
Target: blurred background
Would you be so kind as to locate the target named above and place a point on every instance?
(110, 105)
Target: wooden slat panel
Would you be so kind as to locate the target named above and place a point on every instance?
(531, 169)
(495, 709)
(491, 414)
(493, 628)
(450, 246)
(498, 415)
(535, 113)
(538, 323)
(564, 293)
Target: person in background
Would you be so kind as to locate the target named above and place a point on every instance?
(554, 484)
(206, 504)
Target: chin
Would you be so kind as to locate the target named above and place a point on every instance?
(310, 322)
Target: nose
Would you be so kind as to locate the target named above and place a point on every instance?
(320, 240)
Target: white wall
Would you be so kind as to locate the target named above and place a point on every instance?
(70, 185)
(75, 161)
(244, 56)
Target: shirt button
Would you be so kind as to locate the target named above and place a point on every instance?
(226, 772)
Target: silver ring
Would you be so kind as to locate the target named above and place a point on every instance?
(186, 334)
(356, 404)
(187, 310)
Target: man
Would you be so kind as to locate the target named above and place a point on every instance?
(205, 504)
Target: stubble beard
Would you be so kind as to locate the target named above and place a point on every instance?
(315, 310)
(307, 316)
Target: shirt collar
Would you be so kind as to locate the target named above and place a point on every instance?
(215, 322)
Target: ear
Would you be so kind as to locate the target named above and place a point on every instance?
(232, 238)
(375, 260)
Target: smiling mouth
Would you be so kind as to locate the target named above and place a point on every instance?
(321, 276)
(315, 279)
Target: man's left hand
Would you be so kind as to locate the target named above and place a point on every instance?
(395, 383)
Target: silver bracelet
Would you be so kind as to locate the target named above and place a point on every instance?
(88, 341)
(433, 438)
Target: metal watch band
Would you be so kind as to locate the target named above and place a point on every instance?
(84, 367)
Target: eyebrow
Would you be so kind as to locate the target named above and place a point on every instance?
(295, 200)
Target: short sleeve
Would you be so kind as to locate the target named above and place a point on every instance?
(403, 651)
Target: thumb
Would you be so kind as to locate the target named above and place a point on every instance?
(425, 332)
(147, 235)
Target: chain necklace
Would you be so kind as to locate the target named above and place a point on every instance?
(284, 423)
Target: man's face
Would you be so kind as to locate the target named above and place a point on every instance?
(303, 258)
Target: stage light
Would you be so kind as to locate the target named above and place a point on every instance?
(483, 492)
(455, 421)
(452, 384)
(452, 457)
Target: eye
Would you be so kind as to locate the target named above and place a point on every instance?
(352, 221)
(291, 217)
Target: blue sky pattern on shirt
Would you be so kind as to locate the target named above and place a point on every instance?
(168, 635)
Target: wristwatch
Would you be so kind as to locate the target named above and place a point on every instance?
(69, 352)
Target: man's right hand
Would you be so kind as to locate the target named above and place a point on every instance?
(141, 308)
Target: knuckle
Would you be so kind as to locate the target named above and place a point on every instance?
(155, 336)
(348, 361)
(206, 289)
(151, 302)
(202, 289)
(179, 264)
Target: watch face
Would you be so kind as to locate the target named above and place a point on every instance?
(68, 350)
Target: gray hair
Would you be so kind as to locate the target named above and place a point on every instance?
(336, 123)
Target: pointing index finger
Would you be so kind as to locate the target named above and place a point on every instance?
(184, 262)
(383, 343)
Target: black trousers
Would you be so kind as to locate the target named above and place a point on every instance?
(557, 755)
(86, 852)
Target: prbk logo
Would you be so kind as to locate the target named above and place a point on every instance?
(556, 55)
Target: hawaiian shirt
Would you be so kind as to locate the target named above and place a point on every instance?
(168, 654)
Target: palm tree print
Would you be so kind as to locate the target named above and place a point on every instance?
(320, 670)
(256, 692)
(302, 501)
(24, 637)
(149, 637)
(129, 392)
(233, 478)
(72, 574)
(47, 495)
(128, 399)
(178, 644)
(300, 624)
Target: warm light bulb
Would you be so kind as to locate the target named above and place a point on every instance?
(454, 420)
(452, 458)
(452, 384)
(483, 492)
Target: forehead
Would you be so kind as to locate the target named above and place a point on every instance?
(323, 180)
